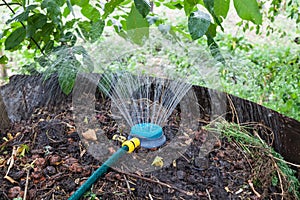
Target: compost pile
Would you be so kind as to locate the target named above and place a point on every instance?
(43, 158)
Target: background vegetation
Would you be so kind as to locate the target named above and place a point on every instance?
(45, 36)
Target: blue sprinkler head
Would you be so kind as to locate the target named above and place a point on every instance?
(150, 135)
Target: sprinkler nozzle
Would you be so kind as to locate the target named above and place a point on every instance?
(150, 135)
(131, 144)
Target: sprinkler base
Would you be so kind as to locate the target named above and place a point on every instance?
(150, 135)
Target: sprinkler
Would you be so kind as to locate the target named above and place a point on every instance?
(150, 135)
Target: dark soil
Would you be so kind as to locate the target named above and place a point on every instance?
(57, 164)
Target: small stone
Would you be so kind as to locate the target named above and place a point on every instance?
(90, 134)
(180, 175)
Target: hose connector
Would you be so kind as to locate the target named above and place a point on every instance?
(132, 144)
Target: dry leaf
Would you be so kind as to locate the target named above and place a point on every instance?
(158, 162)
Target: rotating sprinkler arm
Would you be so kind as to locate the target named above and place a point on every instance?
(127, 147)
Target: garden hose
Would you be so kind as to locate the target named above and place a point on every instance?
(127, 147)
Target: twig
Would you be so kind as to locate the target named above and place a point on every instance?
(253, 189)
(150, 196)
(295, 165)
(11, 4)
(128, 186)
(26, 184)
(11, 159)
(279, 177)
(207, 192)
(154, 181)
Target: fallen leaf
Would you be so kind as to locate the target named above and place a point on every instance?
(158, 162)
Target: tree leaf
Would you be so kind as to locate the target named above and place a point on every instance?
(85, 28)
(15, 38)
(215, 50)
(96, 30)
(34, 23)
(212, 30)
(53, 11)
(66, 77)
(80, 3)
(221, 7)
(3, 59)
(110, 7)
(189, 6)
(137, 26)
(143, 6)
(19, 17)
(248, 10)
(210, 7)
(90, 12)
(198, 24)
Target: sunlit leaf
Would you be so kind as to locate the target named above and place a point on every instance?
(80, 3)
(221, 7)
(198, 24)
(137, 26)
(15, 38)
(3, 59)
(90, 12)
(110, 7)
(189, 6)
(248, 10)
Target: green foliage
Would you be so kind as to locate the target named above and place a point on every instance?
(47, 25)
(198, 24)
(266, 74)
(137, 26)
(3, 59)
(143, 7)
(15, 38)
(248, 10)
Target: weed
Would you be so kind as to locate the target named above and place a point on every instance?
(269, 167)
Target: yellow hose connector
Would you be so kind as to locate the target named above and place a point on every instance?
(132, 144)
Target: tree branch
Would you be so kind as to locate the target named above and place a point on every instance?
(11, 4)
(34, 41)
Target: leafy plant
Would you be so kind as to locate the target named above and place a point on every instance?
(51, 26)
(266, 74)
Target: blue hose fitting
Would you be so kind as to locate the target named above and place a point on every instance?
(150, 135)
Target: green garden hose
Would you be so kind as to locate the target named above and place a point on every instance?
(127, 147)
